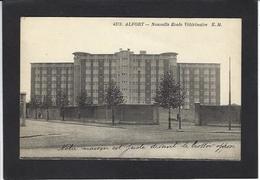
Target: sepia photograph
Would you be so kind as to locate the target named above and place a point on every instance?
(130, 88)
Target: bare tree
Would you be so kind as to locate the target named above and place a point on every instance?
(170, 94)
(113, 98)
(62, 101)
(46, 104)
(82, 100)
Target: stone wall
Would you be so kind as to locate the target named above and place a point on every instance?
(206, 115)
(187, 115)
(138, 114)
(125, 114)
(39, 113)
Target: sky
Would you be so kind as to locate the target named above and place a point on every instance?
(54, 39)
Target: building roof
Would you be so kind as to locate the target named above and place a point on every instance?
(217, 64)
(131, 52)
(53, 63)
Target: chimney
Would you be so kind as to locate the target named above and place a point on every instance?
(142, 52)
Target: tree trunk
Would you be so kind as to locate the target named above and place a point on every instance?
(169, 125)
(36, 115)
(47, 114)
(113, 117)
(62, 113)
(79, 115)
(179, 117)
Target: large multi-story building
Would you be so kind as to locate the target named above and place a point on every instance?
(137, 75)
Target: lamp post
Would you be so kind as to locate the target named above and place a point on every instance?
(179, 108)
(229, 97)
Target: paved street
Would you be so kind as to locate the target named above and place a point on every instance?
(54, 134)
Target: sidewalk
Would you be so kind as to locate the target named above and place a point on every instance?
(186, 126)
(85, 123)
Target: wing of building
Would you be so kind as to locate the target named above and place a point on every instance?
(137, 75)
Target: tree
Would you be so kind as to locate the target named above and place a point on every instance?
(35, 103)
(82, 100)
(47, 102)
(170, 94)
(113, 97)
(62, 101)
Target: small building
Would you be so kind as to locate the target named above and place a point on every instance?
(22, 108)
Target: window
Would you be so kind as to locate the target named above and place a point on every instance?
(44, 78)
(196, 86)
(196, 93)
(213, 100)
(213, 93)
(186, 71)
(196, 99)
(70, 86)
(206, 93)
(197, 79)
(206, 100)
(44, 92)
(37, 92)
(213, 71)
(206, 79)
(37, 71)
(63, 78)
(186, 106)
(206, 86)
(206, 71)
(37, 78)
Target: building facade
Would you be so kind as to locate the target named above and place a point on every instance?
(201, 83)
(137, 75)
(50, 79)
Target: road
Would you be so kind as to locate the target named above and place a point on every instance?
(43, 134)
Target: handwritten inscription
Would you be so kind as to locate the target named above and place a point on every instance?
(216, 147)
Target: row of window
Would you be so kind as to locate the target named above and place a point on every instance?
(54, 78)
(204, 99)
(114, 75)
(54, 71)
(69, 85)
(197, 71)
(198, 79)
(53, 93)
(100, 68)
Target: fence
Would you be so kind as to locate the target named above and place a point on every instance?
(141, 114)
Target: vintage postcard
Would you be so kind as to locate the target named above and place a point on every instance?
(130, 88)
